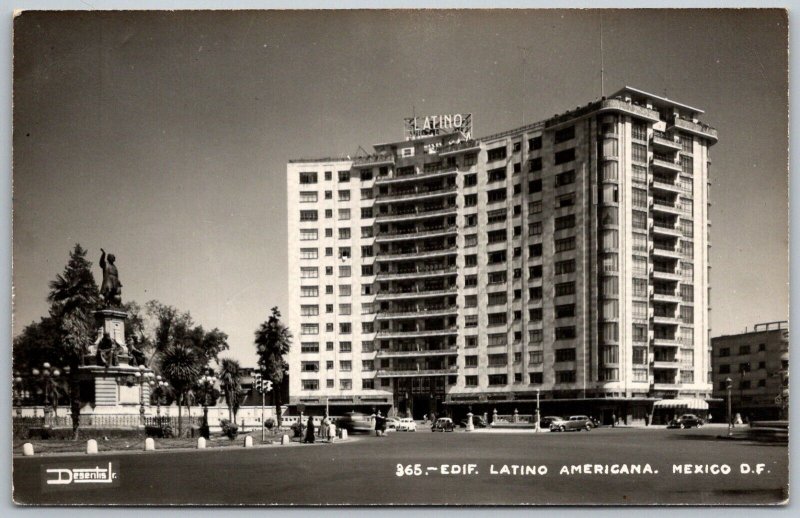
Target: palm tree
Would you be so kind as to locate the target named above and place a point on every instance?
(180, 367)
(230, 378)
(273, 341)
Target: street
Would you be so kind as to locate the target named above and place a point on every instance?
(373, 470)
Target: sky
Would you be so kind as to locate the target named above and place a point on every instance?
(163, 137)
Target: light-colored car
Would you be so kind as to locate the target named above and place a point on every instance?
(574, 423)
(407, 424)
(391, 423)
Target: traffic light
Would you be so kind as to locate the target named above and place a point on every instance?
(268, 387)
(258, 382)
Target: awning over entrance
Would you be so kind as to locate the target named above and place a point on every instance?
(686, 404)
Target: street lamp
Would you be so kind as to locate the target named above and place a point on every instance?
(207, 382)
(538, 418)
(142, 376)
(729, 386)
(160, 388)
(47, 377)
(18, 392)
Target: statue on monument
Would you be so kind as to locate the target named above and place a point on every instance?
(111, 289)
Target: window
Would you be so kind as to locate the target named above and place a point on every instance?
(344, 233)
(687, 315)
(310, 384)
(366, 251)
(535, 186)
(535, 250)
(366, 212)
(470, 220)
(567, 155)
(470, 361)
(309, 347)
(563, 222)
(496, 195)
(306, 178)
(565, 333)
(639, 310)
(366, 270)
(308, 215)
(640, 355)
(470, 320)
(309, 253)
(498, 298)
(535, 357)
(345, 309)
(344, 271)
(567, 200)
(565, 178)
(639, 265)
(497, 319)
(344, 214)
(638, 131)
(309, 366)
(496, 175)
(470, 180)
(308, 196)
(470, 281)
(328, 213)
(562, 245)
(535, 143)
(344, 195)
(309, 329)
(470, 200)
(497, 153)
(535, 335)
(345, 328)
(328, 194)
(470, 240)
(565, 288)
(535, 164)
(687, 165)
(498, 360)
(565, 376)
(564, 134)
(535, 314)
(470, 260)
(308, 234)
(567, 355)
(497, 339)
(309, 291)
(366, 194)
(367, 232)
(563, 267)
(344, 176)
(308, 311)
(471, 301)
(535, 378)
(498, 379)
(535, 228)
(609, 171)
(687, 292)
(565, 311)
(639, 197)
(309, 272)
(639, 219)
(328, 232)
(497, 277)
(639, 153)
(471, 381)
(329, 327)
(367, 327)
(609, 332)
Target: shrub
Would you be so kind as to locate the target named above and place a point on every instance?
(269, 423)
(229, 429)
(297, 429)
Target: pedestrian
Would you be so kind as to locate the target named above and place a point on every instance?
(323, 427)
(424, 418)
(613, 420)
(309, 431)
(433, 419)
(378, 419)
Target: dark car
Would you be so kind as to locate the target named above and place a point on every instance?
(356, 422)
(546, 421)
(443, 424)
(686, 421)
(575, 423)
(477, 422)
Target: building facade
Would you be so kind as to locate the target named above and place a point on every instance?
(566, 259)
(757, 363)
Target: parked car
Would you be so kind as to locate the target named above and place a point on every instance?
(575, 423)
(586, 419)
(546, 421)
(407, 424)
(686, 421)
(443, 424)
(477, 422)
(391, 423)
(356, 422)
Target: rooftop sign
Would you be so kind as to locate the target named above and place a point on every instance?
(431, 125)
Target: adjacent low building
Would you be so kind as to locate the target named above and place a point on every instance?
(757, 364)
(566, 260)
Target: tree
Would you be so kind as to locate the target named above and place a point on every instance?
(230, 379)
(181, 367)
(273, 341)
(74, 297)
(171, 326)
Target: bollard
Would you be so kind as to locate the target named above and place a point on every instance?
(149, 444)
(285, 439)
(27, 449)
(201, 443)
(248, 442)
(91, 446)
(344, 434)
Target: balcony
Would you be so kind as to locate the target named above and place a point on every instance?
(414, 293)
(667, 207)
(665, 320)
(373, 160)
(666, 386)
(666, 342)
(665, 142)
(416, 233)
(414, 194)
(448, 351)
(419, 312)
(441, 172)
(416, 333)
(460, 147)
(419, 253)
(696, 128)
(663, 251)
(418, 273)
(666, 364)
(669, 297)
(397, 373)
(417, 213)
(665, 163)
(665, 186)
(665, 229)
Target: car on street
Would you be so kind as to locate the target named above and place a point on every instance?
(547, 420)
(391, 423)
(477, 422)
(443, 424)
(407, 424)
(686, 421)
(356, 422)
(575, 423)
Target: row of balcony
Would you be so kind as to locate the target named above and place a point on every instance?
(416, 175)
(420, 272)
(401, 373)
(416, 332)
(398, 294)
(417, 193)
(417, 253)
(416, 233)
(417, 352)
(420, 311)
(416, 213)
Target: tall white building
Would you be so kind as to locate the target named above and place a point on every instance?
(568, 258)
